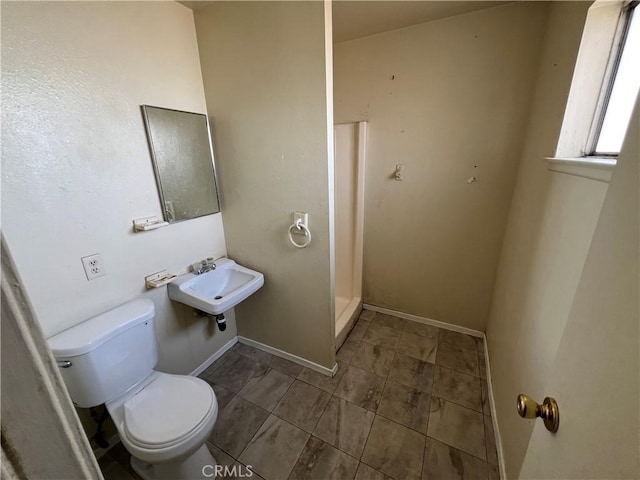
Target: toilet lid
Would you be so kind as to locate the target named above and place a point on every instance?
(167, 409)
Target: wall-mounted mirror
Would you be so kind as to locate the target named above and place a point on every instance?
(182, 154)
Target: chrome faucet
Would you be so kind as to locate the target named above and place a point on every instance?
(203, 266)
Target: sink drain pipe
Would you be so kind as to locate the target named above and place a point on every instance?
(220, 320)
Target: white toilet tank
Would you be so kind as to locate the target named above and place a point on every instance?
(103, 357)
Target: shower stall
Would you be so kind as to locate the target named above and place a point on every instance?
(350, 140)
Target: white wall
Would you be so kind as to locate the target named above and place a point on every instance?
(449, 99)
(346, 178)
(263, 67)
(595, 374)
(76, 167)
(551, 224)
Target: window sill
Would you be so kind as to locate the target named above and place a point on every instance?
(594, 168)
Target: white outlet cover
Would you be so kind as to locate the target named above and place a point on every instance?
(93, 266)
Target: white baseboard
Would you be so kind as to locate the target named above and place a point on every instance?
(494, 417)
(217, 354)
(330, 372)
(427, 321)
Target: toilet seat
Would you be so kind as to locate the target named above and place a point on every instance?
(167, 411)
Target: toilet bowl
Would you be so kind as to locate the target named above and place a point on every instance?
(163, 420)
(165, 423)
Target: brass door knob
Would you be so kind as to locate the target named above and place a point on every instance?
(548, 411)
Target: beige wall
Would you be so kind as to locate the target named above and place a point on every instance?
(449, 99)
(549, 231)
(263, 66)
(76, 167)
(595, 375)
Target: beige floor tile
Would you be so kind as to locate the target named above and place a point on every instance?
(378, 334)
(347, 350)
(252, 353)
(212, 368)
(302, 405)
(366, 315)
(123, 457)
(319, 460)
(444, 462)
(236, 371)
(223, 396)
(492, 453)
(458, 387)
(274, 449)
(323, 382)
(112, 470)
(285, 366)
(226, 359)
(422, 348)
(373, 358)
(389, 321)
(406, 406)
(365, 472)
(457, 426)
(457, 339)
(395, 450)
(422, 329)
(345, 426)
(237, 422)
(266, 390)
(238, 471)
(458, 358)
(361, 387)
(486, 404)
(412, 372)
(482, 365)
(358, 330)
(222, 458)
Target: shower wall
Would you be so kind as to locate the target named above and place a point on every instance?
(345, 180)
(350, 149)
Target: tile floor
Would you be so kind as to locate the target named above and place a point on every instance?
(409, 401)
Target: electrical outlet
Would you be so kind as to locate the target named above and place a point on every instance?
(93, 266)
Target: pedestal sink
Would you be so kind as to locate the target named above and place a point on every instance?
(218, 290)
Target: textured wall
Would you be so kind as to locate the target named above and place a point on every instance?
(76, 167)
(449, 99)
(263, 66)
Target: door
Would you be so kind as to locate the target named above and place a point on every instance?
(596, 375)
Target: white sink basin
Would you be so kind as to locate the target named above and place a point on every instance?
(218, 290)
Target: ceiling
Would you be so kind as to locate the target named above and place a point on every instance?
(195, 4)
(356, 19)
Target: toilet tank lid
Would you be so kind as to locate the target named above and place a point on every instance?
(92, 333)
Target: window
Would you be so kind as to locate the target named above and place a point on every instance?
(620, 91)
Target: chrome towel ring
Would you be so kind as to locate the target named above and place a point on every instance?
(305, 230)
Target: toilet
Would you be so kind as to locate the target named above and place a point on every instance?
(163, 420)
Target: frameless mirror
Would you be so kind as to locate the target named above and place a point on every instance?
(180, 144)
